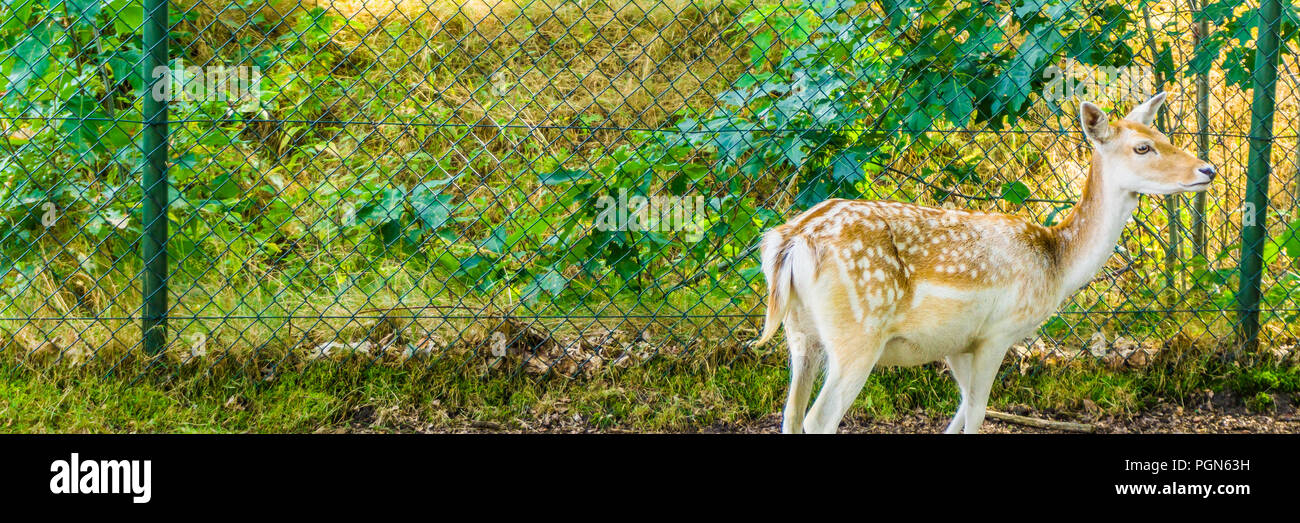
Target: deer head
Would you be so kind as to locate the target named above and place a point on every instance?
(1138, 159)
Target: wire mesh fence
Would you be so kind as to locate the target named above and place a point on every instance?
(564, 187)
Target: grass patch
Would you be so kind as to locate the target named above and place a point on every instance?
(681, 395)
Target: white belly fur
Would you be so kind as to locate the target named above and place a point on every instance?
(923, 334)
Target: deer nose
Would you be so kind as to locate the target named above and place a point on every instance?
(1208, 170)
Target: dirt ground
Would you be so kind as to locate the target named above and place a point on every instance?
(1163, 420)
(1168, 421)
(1210, 414)
(1213, 415)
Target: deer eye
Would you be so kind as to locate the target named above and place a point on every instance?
(1142, 149)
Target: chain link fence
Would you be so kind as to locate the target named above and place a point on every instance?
(570, 186)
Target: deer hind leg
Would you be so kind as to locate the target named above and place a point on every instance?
(805, 361)
(849, 360)
(960, 365)
(986, 360)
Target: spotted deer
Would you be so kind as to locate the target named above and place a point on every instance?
(865, 283)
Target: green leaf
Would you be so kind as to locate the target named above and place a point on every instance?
(551, 282)
(1271, 250)
(223, 188)
(187, 161)
(389, 231)
(758, 52)
(1204, 58)
(1053, 9)
(466, 266)
(31, 58)
(1217, 11)
(734, 140)
(536, 228)
(1237, 65)
(794, 152)
(387, 209)
(748, 80)
(814, 191)
(957, 101)
(129, 15)
(83, 12)
(1291, 239)
(562, 175)
(22, 14)
(495, 242)
(433, 209)
(1015, 84)
(846, 168)
(1015, 192)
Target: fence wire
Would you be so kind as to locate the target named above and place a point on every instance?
(565, 187)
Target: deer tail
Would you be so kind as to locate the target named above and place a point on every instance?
(788, 265)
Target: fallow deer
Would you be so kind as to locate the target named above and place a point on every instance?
(865, 283)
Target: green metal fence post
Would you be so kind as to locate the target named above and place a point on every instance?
(154, 180)
(1255, 208)
(1199, 33)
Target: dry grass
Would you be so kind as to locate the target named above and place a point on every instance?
(622, 64)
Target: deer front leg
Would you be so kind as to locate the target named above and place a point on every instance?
(984, 369)
(960, 365)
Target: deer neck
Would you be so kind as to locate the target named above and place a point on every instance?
(1086, 238)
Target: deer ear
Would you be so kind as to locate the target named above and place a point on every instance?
(1146, 112)
(1096, 124)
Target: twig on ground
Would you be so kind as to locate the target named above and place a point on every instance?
(1041, 423)
(489, 425)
